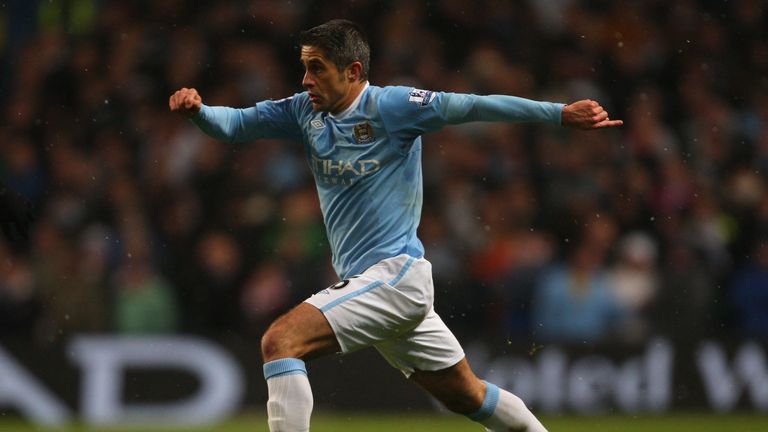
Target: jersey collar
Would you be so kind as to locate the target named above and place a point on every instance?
(352, 106)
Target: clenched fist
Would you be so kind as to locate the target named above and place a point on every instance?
(587, 114)
(185, 102)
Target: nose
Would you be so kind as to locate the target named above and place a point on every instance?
(308, 81)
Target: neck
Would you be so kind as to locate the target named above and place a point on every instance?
(354, 91)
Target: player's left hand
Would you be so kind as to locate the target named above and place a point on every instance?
(587, 114)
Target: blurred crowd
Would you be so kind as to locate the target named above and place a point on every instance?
(536, 233)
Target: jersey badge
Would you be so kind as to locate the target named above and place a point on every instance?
(363, 133)
(317, 124)
(421, 98)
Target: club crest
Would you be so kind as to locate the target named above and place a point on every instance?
(363, 133)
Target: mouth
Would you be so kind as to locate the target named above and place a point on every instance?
(314, 98)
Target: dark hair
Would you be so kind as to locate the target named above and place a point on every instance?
(342, 42)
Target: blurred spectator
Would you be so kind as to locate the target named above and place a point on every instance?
(266, 293)
(19, 302)
(574, 302)
(71, 276)
(684, 305)
(144, 302)
(635, 283)
(226, 234)
(220, 273)
(748, 293)
(24, 172)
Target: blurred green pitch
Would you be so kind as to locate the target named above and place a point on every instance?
(360, 422)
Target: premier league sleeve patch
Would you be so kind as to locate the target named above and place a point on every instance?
(421, 97)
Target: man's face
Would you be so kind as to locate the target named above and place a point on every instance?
(327, 86)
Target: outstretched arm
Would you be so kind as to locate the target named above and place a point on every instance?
(268, 119)
(410, 112)
(584, 114)
(223, 123)
(462, 108)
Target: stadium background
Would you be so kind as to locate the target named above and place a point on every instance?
(593, 243)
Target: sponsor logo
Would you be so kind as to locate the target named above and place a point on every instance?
(317, 124)
(342, 172)
(363, 133)
(421, 97)
(361, 167)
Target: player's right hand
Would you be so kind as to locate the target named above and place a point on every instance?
(185, 102)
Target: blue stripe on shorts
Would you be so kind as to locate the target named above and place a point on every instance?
(369, 287)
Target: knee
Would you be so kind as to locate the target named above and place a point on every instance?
(273, 345)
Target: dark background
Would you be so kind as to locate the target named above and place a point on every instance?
(537, 234)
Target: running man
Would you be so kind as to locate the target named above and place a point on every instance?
(363, 145)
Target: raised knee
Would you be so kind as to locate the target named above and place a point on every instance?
(273, 345)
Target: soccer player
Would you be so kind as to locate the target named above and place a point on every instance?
(363, 145)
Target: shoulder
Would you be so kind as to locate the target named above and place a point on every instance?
(297, 101)
(402, 94)
(403, 97)
(302, 104)
(297, 105)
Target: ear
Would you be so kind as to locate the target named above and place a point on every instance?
(354, 71)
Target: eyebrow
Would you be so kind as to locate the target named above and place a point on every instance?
(312, 61)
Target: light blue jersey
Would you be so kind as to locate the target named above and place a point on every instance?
(367, 160)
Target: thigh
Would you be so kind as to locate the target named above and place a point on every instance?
(302, 333)
(430, 346)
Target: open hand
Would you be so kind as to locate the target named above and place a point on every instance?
(587, 114)
(185, 102)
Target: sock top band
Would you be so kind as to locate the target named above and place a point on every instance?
(489, 403)
(286, 366)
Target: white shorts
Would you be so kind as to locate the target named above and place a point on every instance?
(390, 307)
